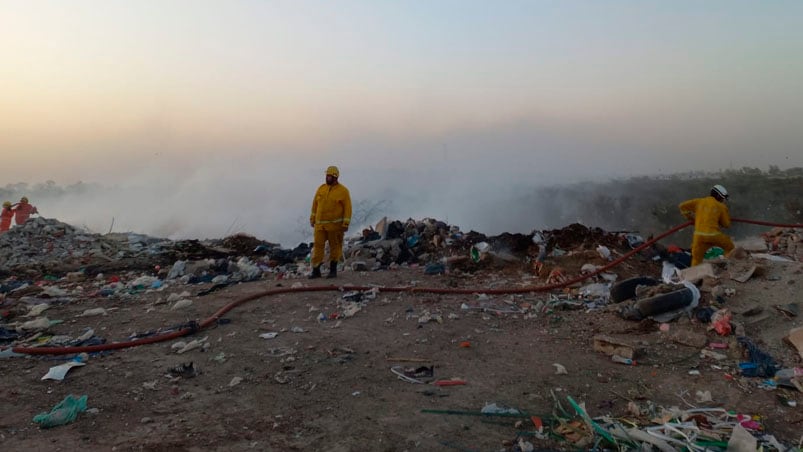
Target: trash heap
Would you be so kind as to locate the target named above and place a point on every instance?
(788, 242)
(707, 295)
(46, 245)
(49, 243)
(647, 426)
(445, 247)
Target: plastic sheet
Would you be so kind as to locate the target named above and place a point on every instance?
(64, 413)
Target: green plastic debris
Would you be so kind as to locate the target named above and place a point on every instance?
(478, 250)
(63, 413)
(713, 252)
(596, 427)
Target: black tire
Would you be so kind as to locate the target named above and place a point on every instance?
(629, 312)
(626, 289)
(665, 302)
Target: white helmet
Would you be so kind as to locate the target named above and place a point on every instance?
(720, 190)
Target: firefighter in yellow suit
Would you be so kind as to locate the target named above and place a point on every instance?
(709, 215)
(331, 215)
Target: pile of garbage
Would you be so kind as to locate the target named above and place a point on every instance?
(431, 241)
(49, 243)
(786, 241)
(46, 245)
(126, 264)
(646, 427)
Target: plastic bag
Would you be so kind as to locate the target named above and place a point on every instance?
(63, 413)
(669, 273)
(479, 250)
(713, 252)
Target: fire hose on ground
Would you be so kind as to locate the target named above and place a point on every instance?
(213, 319)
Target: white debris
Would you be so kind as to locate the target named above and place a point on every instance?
(93, 312)
(181, 304)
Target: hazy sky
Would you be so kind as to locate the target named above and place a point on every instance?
(238, 106)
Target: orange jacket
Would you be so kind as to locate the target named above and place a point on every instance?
(708, 214)
(331, 207)
(23, 212)
(5, 219)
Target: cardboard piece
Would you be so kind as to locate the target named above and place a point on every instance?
(382, 227)
(688, 337)
(742, 274)
(697, 273)
(611, 346)
(795, 338)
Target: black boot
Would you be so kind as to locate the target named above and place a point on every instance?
(332, 270)
(316, 272)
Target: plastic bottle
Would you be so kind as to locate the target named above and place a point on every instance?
(623, 360)
(791, 372)
(791, 377)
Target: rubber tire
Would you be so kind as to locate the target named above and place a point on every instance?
(626, 289)
(665, 302)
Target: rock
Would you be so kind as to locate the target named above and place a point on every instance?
(181, 304)
(93, 312)
(738, 254)
(753, 244)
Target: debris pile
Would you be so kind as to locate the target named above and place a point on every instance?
(50, 244)
(430, 241)
(788, 242)
(647, 427)
(46, 245)
(90, 282)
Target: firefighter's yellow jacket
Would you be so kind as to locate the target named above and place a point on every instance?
(331, 207)
(709, 215)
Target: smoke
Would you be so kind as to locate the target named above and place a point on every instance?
(271, 198)
(495, 179)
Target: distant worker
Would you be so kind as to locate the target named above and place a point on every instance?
(331, 215)
(23, 211)
(709, 215)
(5, 217)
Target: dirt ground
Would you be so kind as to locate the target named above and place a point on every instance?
(329, 386)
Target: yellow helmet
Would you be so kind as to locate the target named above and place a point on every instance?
(24, 199)
(7, 204)
(333, 171)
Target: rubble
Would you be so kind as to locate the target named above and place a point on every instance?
(788, 242)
